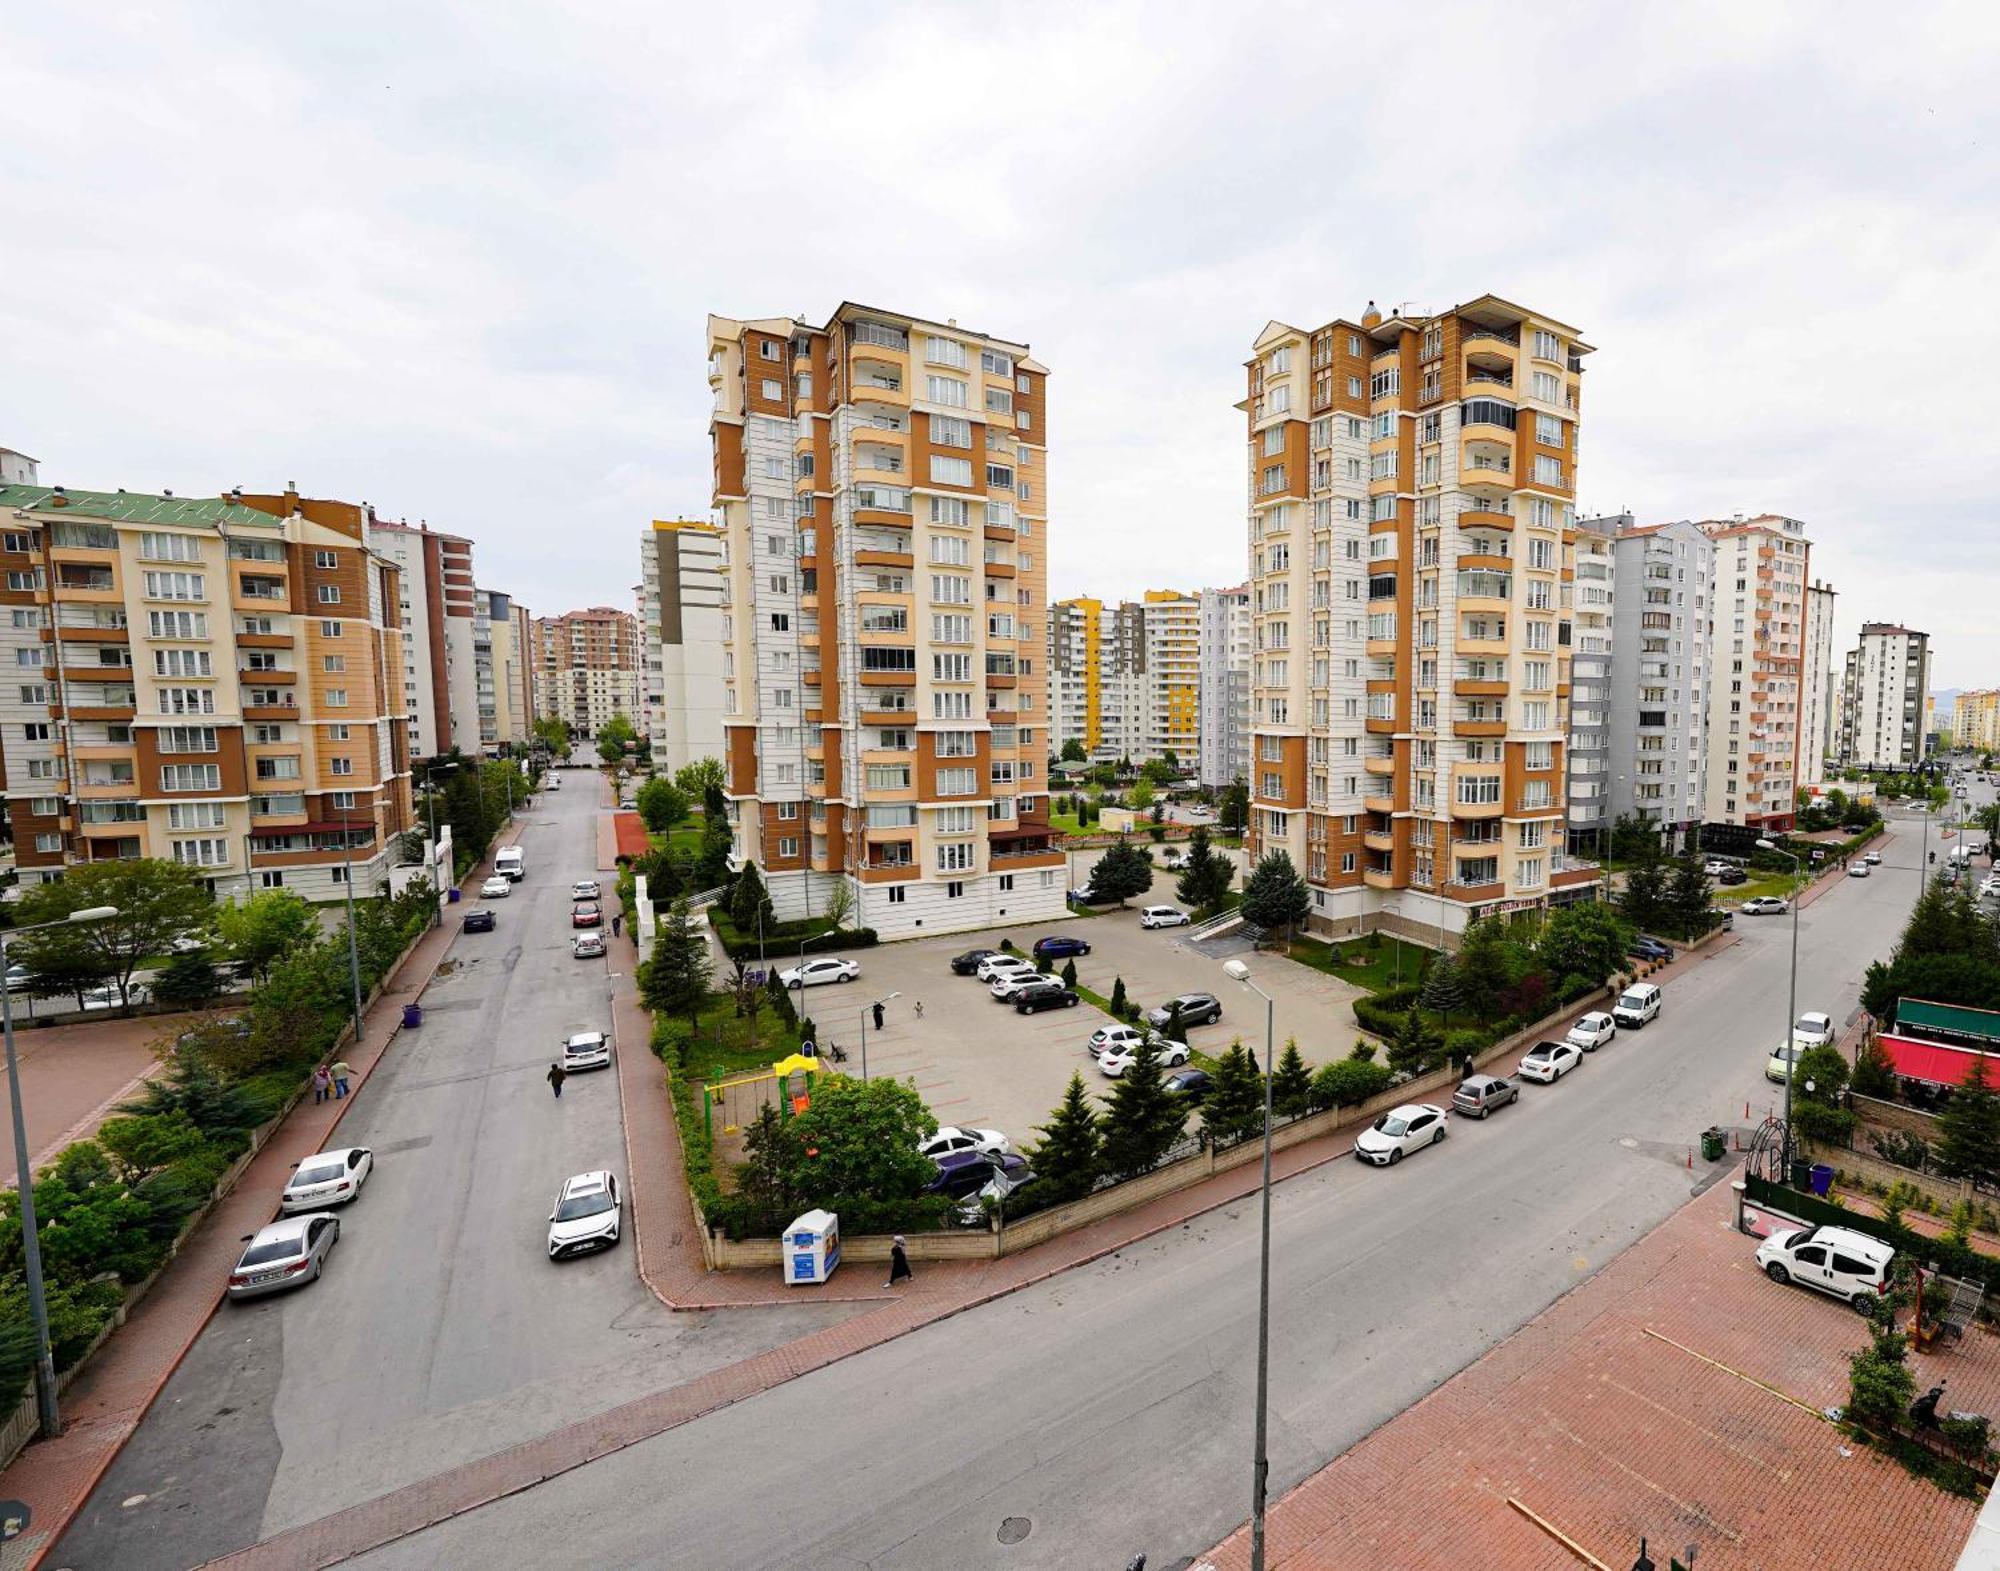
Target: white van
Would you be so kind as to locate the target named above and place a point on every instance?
(1636, 1005)
(511, 862)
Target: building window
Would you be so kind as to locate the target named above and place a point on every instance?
(950, 471)
(341, 766)
(325, 559)
(328, 594)
(954, 890)
(945, 390)
(190, 777)
(271, 878)
(336, 697)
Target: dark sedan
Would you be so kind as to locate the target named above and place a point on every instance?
(967, 963)
(1059, 946)
(1190, 1083)
(1037, 996)
(1732, 875)
(962, 1174)
(1650, 949)
(479, 920)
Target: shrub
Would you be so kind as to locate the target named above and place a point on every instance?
(1348, 1082)
(1465, 1043)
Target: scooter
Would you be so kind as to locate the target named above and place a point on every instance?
(1924, 1413)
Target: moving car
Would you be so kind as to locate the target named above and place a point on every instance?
(1636, 1005)
(1548, 1062)
(1732, 876)
(1008, 984)
(1197, 1009)
(1479, 1095)
(555, 782)
(815, 972)
(289, 1253)
(107, 997)
(1873, 858)
(1779, 1065)
(584, 889)
(18, 977)
(1046, 993)
(479, 920)
(967, 963)
(586, 946)
(1859, 870)
(497, 887)
(1836, 1260)
(1765, 905)
(951, 1138)
(1190, 1083)
(587, 1050)
(1812, 1029)
(997, 963)
(1115, 1061)
(1410, 1127)
(585, 913)
(1164, 916)
(1593, 1031)
(333, 1178)
(587, 1217)
(511, 862)
(1059, 946)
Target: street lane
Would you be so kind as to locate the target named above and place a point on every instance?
(1111, 1406)
(441, 1332)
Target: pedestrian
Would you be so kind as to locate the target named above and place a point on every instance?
(340, 1072)
(920, 1009)
(899, 1263)
(322, 1083)
(878, 1015)
(1466, 1073)
(617, 921)
(557, 1075)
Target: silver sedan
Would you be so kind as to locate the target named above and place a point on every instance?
(289, 1253)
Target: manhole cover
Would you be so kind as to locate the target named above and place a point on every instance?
(1014, 1529)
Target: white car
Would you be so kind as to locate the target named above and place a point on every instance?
(1173, 857)
(1403, 1129)
(1115, 1061)
(1712, 868)
(1548, 1062)
(555, 783)
(1859, 870)
(1813, 1030)
(1164, 916)
(587, 1050)
(587, 1216)
(1836, 1260)
(496, 889)
(1873, 859)
(586, 946)
(815, 972)
(1765, 905)
(333, 1178)
(106, 997)
(1108, 1039)
(998, 965)
(584, 889)
(951, 1138)
(1008, 983)
(1593, 1031)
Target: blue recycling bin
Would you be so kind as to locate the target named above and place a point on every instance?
(413, 1016)
(451, 895)
(1822, 1179)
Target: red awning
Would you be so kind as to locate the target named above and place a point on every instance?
(1936, 1061)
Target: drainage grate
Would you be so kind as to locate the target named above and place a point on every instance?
(1015, 1528)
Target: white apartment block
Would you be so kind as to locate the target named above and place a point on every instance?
(1127, 678)
(1756, 699)
(683, 607)
(1589, 752)
(1884, 686)
(1819, 723)
(1657, 706)
(1225, 686)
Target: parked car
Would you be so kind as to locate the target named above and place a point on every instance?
(1115, 1061)
(289, 1253)
(1872, 858)
(967, 963)
(1548, 1062)
(585, 914)
(1403, 1129)
(1190, 1083)
(1732, 876)
(496, 888)
(107, 996)
(1835, 1260)
(588, 1215)
(18, 977)
(962, 1174)
(584, 889)
(1778, 1066)
(951, 1138)
(1009, 1174)
(994, 964)
(1593, 1031)
(1859, 870)
(1715, 867)
(1197, 1009)
(1765, 905)
(1107, 1039)
(333, 1178)
(1083, 897)
(1010, 984)
(555, 782)
(815, 973)
(1649, 949)
(479, 920)
(1812, 1029)
(1059, 946)
(1045, 993)
(586, 946)
(1479, 1095)
(1164, 916)
(1636, 1005)
(587, 1050)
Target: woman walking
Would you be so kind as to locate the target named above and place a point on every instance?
(899, 1263)
(322, 1083)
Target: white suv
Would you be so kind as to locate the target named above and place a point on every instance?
(1835, 1260)
(1163, 916)
(588, 1215)
(993, 967)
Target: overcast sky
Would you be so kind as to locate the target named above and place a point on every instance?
(454, 259)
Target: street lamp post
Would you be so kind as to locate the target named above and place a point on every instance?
(1792, 995)
(1260, 1464)
(430, 811)
(353, 952)
(46, 1412)
(877, 1004)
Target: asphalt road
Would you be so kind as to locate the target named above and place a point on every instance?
(441, 1332)
(1111, 1407)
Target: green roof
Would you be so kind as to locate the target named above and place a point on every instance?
(1951, 1018)
(135, 507)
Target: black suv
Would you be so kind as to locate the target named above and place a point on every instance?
(1042, 995)
(967, 963)
(1732, 875)
(479, 920)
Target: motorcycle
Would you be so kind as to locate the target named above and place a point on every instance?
(1924, 1411)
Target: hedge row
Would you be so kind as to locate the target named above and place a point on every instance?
(810, 935)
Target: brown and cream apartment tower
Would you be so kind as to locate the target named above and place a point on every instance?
(883, 483)
(1412, 523)
(213, 681)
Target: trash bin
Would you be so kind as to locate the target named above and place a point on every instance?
(1712, 1145)
(413, 1016)
(1822, 1179)
(451, 895)
(1801, 1174)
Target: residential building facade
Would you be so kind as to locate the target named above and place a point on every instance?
(508, 654)
(1756, 681)
(1975, 719)
(208, 681)
(1411, 542)
(440, 618)
(1661, 672)
(1885, 681)
(1588, 756)
(683, 599)
(882, 483)
(1820, 690)
(1126, 679)
(587, 667)
(1224, 724)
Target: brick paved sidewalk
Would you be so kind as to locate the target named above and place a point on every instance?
(1676, 1394)
(105, 1404)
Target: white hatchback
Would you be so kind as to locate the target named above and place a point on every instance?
(587, 1050)
(496, 889)
(1163, 916)
(1548, 1062)
(1593, 1031)
(584, 889)
(1813, 1029)
(1111, 1039)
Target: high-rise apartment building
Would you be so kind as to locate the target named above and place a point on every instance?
(1126, 679)
(1662, 669)
(1411, 544)
(1819, 702)
(1081, 633)
(1975, 719)
(882, 480)
(210, 681)
(440, 618)
(1887, 677)
(509, 656)
(683, 601)
(1755, 705)
(1225, 686)
(587, 667)
(1588, 757)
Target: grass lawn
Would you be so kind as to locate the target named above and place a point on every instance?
(682, 840)
(724, 1047)
(1779, 884)
(1375, 971)
(1066, 822)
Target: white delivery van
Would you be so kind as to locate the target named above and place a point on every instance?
(511, 862)
(1636, 1005)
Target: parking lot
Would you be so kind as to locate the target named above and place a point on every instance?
(979, 1063)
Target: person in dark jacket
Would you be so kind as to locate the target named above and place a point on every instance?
(899, 1263)
(557, 1075)
(878, 1015)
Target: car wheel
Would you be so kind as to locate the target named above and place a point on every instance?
(1777, 1273)
(1395, 1156)
(1864, 1303)
(318, 1266)
(1438, 1136)
(797, 986)
(1070, 1002)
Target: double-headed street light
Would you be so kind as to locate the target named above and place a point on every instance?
(877, 1004)
(1792, 997)
(1260, 1463)
(31, 1245)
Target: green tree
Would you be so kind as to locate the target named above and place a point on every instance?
(1874, 1074)
(257, 929)
(1291, 1082)
(1069, 975)
(1348, 1082)
(1968, 1144)
(1206, 876)
(698, 776)
(1157, 773)
(1067, 1159)
(188, 980)
(1684, 901)
(662, 804)
(553, 732)
(1414, 1045)
(1142, 794)
(613, 735)
(1141, 1120)
(1445, 989)
(1234, 1107)
(1118, 998)
(1073, 753)
(1643, 900)
(1275, 896)
(61, 964)
(1633, 839)
(157, 902)
(858, 1142)
(676, 980)
(750, 903)
(1946, 921)
(1120, 873)
(1234, 814)
(1818, 1079)
(837, 904)
(1487, 965)
(1879, 1382)
(764, 1179)
(142, 1146)
(1586, 939)
(711, 867)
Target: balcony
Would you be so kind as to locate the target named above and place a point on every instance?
(1485, 379)
(1379, 804)
(1485, 513)
(1375, 764)
(1379, 877)
(1471, 728)
(1486, 470)
(1478, 687)
(72, 578)
(260, 587)
(1474, 894)
(1380, 725)
(1383, 840)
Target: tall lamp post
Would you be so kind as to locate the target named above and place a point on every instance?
(49, 1417)
(1260, 1464)
(877, 1004)
(1792, 995)
(353, 952)
(430, 811)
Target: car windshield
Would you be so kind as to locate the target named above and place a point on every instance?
(1541, 1052)
(585, 1044)
(1390, 1124)
(318, 1173)
(576, 1206)
(266, 1250)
